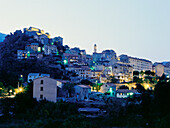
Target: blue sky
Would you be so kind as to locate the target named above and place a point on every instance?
(139, 28)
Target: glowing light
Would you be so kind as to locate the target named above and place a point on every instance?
(92, 68)
(65, 62)
(28, 53)
(111, 90)
(52, 43)
(131, 93)
(39, 49)
(20, 89)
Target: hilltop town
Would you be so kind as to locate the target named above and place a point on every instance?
(34, 64)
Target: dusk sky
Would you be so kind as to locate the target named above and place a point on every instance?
(139, 28)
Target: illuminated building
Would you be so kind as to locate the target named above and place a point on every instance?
(137, 63)
(95, 74)
(105, 58)
(32, 31)
(122, 72)
(50, 49)
(125, 93)
(109, 88)
(95, 48)
(71, 58)
(33, 47)
(82, 72)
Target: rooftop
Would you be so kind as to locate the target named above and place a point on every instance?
(89, 109)
(84, 86)
(126, 91)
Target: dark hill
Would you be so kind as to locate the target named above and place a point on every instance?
(2, 37)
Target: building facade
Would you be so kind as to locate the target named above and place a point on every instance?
(137, 63)
(45, 88)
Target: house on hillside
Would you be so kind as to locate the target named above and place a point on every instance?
(32, 76)
(82, 92)
(125, 93)
(109, 89)
(45, 88)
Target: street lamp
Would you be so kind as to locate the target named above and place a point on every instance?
(20, 89)
(10, 91)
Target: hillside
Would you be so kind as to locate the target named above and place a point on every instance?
(2, 37)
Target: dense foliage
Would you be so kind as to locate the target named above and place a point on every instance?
(11, 67)
(152, 112)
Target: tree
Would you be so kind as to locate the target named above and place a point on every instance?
(11, 67)
(69, 87)
(140, 88)
(153, 73)
(163, 78)
(123, 87)
(97, 86)
(86, 82)
(1, 88)
(135, 73)
(147, 80)
(137, 80)
(142, 73)
(148, 72)
(162, 91)
(112, 79)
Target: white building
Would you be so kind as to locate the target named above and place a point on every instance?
(108, 87)
(161, 68)
(137, 63)
(125, 93)
(122, 72)
(82, 92)
(45, 88)
(50, 49)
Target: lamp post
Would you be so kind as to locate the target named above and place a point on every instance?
(20, 89)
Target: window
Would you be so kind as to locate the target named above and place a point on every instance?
(41, 81)
(41, 96)
(41, 88)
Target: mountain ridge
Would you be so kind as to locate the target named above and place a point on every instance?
(2, 36)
